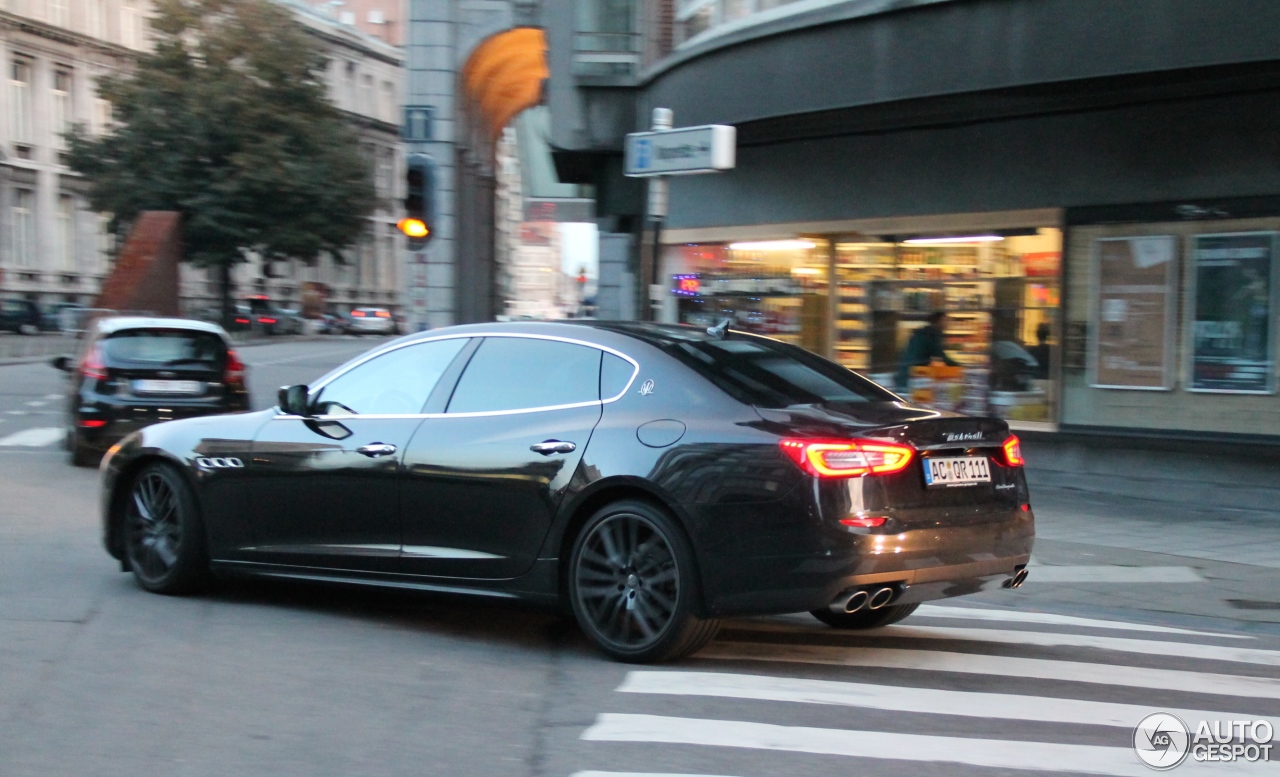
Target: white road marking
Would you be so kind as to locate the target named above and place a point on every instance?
(1112, 574)
(16, 412)
(994, 753)
(36, 403)
(907, 699)
(53, 396)
(1018, 616)
(637, 774)
(1048, 639)
(34, 438)
(1000, 666)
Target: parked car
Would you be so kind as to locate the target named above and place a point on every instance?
(333, 324)
(61, 316)
(650, 479)
(19, 315)
(291, 322)
(372, 321)
(137, 371)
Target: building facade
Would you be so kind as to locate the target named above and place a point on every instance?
(1084, 187)
(52, 247)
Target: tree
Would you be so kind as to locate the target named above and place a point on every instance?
(227, 122)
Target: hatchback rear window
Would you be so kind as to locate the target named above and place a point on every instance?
(767, 373)
(167, 347)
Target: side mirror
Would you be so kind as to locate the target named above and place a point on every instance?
(293, 400)
(61, 363)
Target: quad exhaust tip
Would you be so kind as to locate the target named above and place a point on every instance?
(850, 602)
(1017, 580)
(880, 598)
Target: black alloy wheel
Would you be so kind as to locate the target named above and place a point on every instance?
(865, 618)
(633, 586)
(164, 539)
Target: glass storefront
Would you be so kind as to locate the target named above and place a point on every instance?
(999, 292)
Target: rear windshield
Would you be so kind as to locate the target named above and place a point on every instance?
(167, 347)
(767, 373)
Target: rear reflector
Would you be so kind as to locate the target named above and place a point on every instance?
(1013, 452)
(864, 522)
(847, 458)
(92, 423)
(92, 366)
(1024, 507)
(235, 368)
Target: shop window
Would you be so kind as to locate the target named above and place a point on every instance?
(1000, 292)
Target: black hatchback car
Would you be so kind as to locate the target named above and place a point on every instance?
(19, 315)
(650, 479)
(139, 371)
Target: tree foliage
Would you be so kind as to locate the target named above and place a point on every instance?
(227, 121)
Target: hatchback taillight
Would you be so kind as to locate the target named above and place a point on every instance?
(92, 366)
(847, 458)
(1013, 452)
(235, 368)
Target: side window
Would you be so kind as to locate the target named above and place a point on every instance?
(615, 373)
(518, 373)
(396, 383)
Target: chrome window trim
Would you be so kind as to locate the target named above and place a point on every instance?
(635, 372)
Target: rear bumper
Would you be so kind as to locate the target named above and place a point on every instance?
(124, 417)
(923, 564)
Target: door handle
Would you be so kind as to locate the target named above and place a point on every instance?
(375, 449)
(553, 446)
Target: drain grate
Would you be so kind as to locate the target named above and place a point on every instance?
(1253, 604)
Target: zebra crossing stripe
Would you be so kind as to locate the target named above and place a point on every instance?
(637, 774)
(1047, 618)
(34, 438)
(906, 699)
(1049, 639)
(999, 666)
(993, 753)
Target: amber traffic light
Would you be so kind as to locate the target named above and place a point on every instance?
(419, 201)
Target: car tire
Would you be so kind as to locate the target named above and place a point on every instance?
(28, 329)
(82, 455)
(633, 585)
(864, 618)
(164, 536)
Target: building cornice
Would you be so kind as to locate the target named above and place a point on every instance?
(11, 21)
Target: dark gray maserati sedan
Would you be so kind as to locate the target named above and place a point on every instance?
(651, 479)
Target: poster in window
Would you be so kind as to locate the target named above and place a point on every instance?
(1232, 331)
(1132, 343)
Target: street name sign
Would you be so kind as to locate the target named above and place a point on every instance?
(683, 151)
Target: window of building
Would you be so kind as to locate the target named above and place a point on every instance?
(367, 105)
(518, 373)
(23, 219)
(387, 102)
(101, 116)
(20, 100)
(130, 24)
(63, 109)
(386, 164)
(349, 87)
(96, 18)
(66, 231)
(58, 12)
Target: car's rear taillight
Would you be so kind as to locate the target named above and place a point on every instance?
(1013, 452)
(266, 320)
(847, 458)
(92, 366)
(235, 368)
(357, 314)
(382, 314)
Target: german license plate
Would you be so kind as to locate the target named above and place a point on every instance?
(957, 471)
(187, 387)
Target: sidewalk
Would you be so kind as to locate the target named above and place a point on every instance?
(1098, 551)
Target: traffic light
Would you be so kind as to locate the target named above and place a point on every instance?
(419, 201)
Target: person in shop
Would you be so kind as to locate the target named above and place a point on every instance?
(1040, 352)
(924, 346)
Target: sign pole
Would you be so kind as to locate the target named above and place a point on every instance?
(658, 190)
(662, 152)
